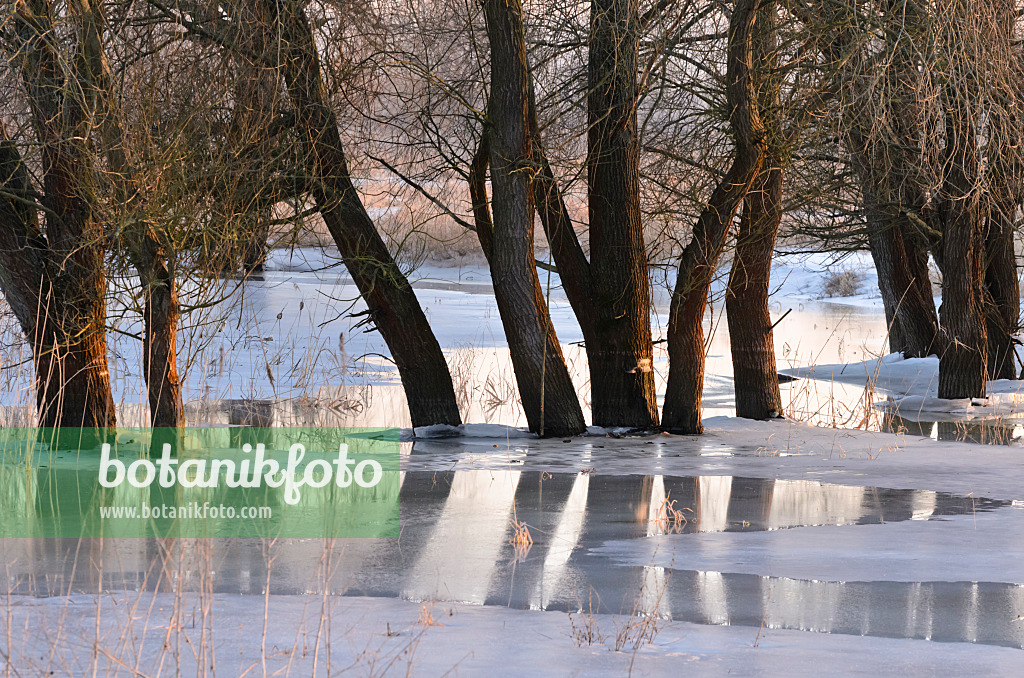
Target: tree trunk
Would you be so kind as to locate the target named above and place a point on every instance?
(613, 312)
(545, 387)
(1002, 292)
(963, 365)
(256, 243)
(746, 303)
(890, 168)
(160, 337)
(755, 375)
(619, 350)
(67, 330)
(700, 257)
(901, 265)
(391, 301)
(1006, 171)
(145, 249)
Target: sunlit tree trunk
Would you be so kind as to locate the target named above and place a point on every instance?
(682, 413)
(146, 249)
(64, 302)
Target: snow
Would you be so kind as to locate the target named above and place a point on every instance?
(115, 636)
(911, 385)
(816, 591)
(812, 593)
(801, 277)
(288, 336)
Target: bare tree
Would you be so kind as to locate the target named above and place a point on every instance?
(750, 327)
(682, 412)
(279, 35)
(546, 389)
(146, 242)
(53, 271)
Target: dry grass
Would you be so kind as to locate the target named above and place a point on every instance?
(586, 630)
(522, 541)
(669, 519)
(842, 283)
(427, 617)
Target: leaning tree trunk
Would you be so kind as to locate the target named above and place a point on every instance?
(700, 257)
(901, 265)
(391, 301)
(545, 387)
(889, 158)
(619, 350)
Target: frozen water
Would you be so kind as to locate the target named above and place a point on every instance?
(776, 547)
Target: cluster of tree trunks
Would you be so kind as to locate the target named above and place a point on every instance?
(610, 291)
(967, 225)
(53, 245)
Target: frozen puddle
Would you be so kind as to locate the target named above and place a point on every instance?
(718, 550)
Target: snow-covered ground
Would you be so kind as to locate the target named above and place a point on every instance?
(288, 336)
(390, 637)
(796, 550)
(802, 551)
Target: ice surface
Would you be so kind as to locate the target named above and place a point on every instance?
(806, 550)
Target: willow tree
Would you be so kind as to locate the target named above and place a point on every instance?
(699, 259)
(144, 239)
(751, 341)
(278, 34)
(607, 284)
(545, 387)
(51, 239)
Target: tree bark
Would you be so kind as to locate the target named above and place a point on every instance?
(963, 365)
(889, 166)
(67, 329)
(160, 332)
(1002, 291)
(391, 301)
(614, 313)
(755, 372)
(620, 351)
(1006, 172)
(145, 247)
(901, 265)
(700, 257)
(545, 387)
